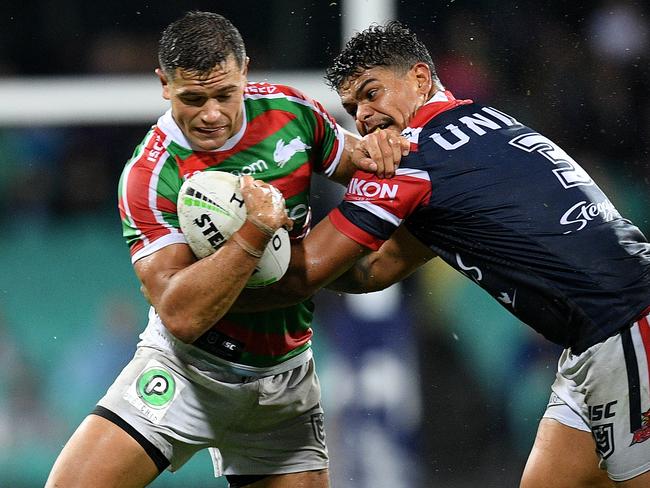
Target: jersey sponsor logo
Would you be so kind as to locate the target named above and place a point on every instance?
(258, 166)
(156, 387)
(604, 437)
(156, 150)
(584, 212)
(642, 434)
(603, 411)
(474, 125)
(153, 391)
(567, 170)
(470, 271)
(364, 190)
(284, 152)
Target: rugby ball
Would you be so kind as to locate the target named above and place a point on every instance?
(211, 208)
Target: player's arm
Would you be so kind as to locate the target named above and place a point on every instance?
(190, 296)
(396, 259)
(378, 153)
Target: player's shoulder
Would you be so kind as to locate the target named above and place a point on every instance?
(151, 152)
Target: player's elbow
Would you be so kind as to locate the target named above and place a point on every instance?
(178, 325)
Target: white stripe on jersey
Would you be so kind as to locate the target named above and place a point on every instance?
(125, 186)
(379, 212)
(153, 194)
(158, 244)
(413, 173)
(340, 136)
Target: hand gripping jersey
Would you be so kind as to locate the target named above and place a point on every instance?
(509, 209)
(284, 138)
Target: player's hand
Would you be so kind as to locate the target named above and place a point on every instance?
(265, 205)
(381, 152)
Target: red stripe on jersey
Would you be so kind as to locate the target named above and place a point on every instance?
(165, 205)
(344, 226)
(264, 344)
(294, 183)
(399, 196)
(644, 329)
(430, 110)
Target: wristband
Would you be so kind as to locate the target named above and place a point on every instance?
(245, 245)
(261, 226)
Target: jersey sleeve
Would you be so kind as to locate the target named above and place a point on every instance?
(373, 208)
(147, 195)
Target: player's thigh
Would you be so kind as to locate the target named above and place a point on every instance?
(305, 479)
(100, 453)
(563, 457)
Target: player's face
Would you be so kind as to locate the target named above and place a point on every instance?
(208, 108)
(383, 97)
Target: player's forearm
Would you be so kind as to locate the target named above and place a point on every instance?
(198, 296)
(362, 277)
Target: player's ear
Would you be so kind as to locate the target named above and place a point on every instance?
(244, 70)
(422, 75)
(164, 82)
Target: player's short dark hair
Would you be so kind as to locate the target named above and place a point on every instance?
(198, 42)
(391, 45)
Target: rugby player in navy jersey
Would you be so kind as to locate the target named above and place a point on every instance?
(512, 211)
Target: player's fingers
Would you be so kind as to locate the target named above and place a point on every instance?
(288, 224)
(374, 152)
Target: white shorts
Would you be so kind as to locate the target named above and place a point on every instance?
(605, 390)
(253, 425)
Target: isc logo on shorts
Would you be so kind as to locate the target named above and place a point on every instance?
(153, 391)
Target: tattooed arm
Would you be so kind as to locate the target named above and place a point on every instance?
(397, 258)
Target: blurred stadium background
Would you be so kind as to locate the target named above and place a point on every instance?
(428, 384)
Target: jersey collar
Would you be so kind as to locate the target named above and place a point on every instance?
(168, 125)
(440, 102)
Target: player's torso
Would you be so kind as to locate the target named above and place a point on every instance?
(516, 214)
(276, 145)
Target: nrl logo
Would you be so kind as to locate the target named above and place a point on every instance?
(317, 424)
(284, 152)
(604, 436)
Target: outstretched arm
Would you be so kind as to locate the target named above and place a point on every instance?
(328, 258)
(396, 259)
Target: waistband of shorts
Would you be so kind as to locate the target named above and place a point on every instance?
(200, 358)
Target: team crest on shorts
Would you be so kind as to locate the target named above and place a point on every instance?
(153, 391)
(604, 437)
(318, 425)
(642, 434)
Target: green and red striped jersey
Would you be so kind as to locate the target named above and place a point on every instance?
(284, 138)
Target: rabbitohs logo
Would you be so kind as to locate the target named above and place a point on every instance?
(156, 387)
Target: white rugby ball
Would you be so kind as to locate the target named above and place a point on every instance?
(211, 208)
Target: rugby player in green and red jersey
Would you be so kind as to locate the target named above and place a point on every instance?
(241, 384)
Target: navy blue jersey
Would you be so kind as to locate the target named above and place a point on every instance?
(512, 211)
